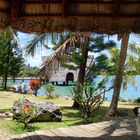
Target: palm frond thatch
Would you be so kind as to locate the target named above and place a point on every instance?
(51, 63)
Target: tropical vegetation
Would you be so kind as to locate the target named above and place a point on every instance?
(78, 45)
(11, 60)
(70, 116)
(34, 85)
(75, 47)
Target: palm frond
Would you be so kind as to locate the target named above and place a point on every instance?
(134, 48)
(131, 80)
(38, 41)
(48, 66)
(14, 36)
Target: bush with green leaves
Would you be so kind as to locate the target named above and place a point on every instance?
(50, 89)
(90, 98)
(23, 112)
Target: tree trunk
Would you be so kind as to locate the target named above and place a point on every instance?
(119, 76)
(80, 81)
(81, 74)
(5, 80)
(35, 92)
(2, 81)
(14, 79)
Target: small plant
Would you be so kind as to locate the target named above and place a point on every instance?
(53, 96)
(23, 112)
(90, 98)
(50, 89)
(35, 85)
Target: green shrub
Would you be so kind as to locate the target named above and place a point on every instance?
(50, 89)
(23, 112)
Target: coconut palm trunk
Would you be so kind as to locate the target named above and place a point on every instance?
(119, 75)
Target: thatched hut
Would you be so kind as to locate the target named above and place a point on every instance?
(57, 73)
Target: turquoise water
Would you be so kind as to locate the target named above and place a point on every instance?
(130, 93)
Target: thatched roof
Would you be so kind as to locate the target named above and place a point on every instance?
(102, 16)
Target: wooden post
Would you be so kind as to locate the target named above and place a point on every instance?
(119, 75)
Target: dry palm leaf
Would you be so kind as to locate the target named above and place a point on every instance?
(51, 63)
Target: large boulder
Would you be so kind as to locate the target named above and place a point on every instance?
(41, 112)
(136, 111)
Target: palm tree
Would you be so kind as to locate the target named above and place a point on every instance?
(131, 69)
(67, 41)
(84, 42)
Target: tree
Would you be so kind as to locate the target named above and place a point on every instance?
(75, 47)
(28, 71)
(119, 75)
(130, 70)
(10, 57)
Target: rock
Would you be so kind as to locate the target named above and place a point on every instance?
(6, 115)
(44, 111)
(121, 113)
(67, 98)
(136, 111)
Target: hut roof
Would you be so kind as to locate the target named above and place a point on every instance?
(102, 16)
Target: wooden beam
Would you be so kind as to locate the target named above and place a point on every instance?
(117, 6)
(15, 9)
(79, 16)
(65, 8)
(70, 1)
(80, 2)
(3, 10)
(42, 2)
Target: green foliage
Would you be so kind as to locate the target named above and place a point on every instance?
(90, 97)
(26, 112)
(50, 89)
(137, 100)
(71, 117)
(36, 85)
(11, 59)
(100, 65)
(28, 71)
(131, 67)
(99, 44)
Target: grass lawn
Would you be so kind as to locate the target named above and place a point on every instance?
(70, 116)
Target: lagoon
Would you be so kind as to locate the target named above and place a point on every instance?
(130, 93)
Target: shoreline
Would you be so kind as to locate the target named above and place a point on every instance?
(20, 78)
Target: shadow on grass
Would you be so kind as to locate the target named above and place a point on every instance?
(97, 116)
(9, 88)
(73, 117)
(31, 128)
(74, 137)
(5, 110)
(69, 112)
(130, 104)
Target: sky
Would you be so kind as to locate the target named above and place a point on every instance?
(36, 60)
